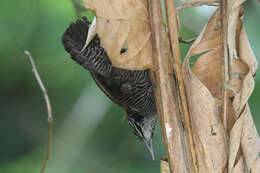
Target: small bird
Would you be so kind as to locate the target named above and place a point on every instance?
(130, 89)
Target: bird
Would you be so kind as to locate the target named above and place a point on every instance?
(130, 89)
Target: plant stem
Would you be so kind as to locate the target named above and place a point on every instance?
(49, 110)
(177, 67)
(166, 93)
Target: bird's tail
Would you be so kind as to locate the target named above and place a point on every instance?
(75, 36)
(74, 39)
(93, 57)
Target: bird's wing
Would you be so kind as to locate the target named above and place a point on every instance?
(112, 91)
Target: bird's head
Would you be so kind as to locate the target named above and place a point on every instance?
(143, 127)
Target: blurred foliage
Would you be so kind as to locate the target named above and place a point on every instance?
(91, 133)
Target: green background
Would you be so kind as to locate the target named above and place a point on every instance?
(91, 133)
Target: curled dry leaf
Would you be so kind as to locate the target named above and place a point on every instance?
(232, 14)
(124, 29)
(204, 87)
(249, 139)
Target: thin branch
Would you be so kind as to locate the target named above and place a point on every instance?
(165, 92)
(187, 41)
(183, 106)
(49, 110)
(197, 4)
(225, 62)
(78, 7)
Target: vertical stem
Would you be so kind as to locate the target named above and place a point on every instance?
(166, 93)
(49, 111)
(225, 62)
(175, 50)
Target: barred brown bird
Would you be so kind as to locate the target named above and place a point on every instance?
(130, 89)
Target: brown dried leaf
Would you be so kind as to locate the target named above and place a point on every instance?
(250, 142)
(243, 131)
(233, 8)
(124, 24)
(239, 168)
(202, 84)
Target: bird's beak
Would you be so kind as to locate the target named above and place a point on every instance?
(149, 145)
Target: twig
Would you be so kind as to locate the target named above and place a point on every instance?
(49, 110)
(225, 61)
(183, 106)
(165, 92)
(187, 41)
(197, 4)
(78, 7)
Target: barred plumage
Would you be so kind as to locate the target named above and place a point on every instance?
(130, 89)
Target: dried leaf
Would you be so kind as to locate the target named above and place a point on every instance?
(239, 168)
(250, 143)
(243, 131)
(233, 8)
(202, 85)
(124, 24)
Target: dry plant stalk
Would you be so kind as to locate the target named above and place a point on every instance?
(166, 92)
(49, 110)
(173, 33)
(191, 4)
